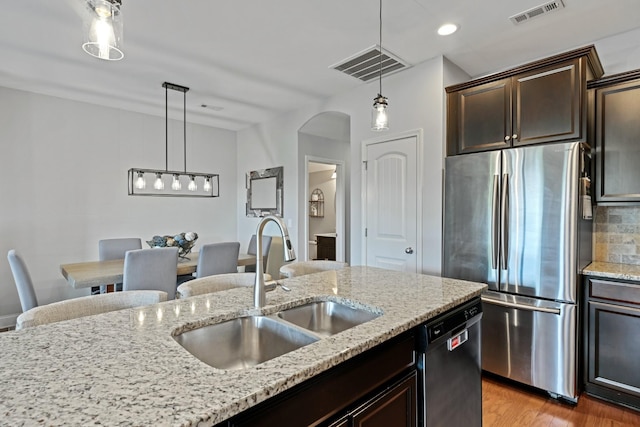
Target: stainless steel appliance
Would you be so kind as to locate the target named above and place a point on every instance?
(520, 220)
(449, 378)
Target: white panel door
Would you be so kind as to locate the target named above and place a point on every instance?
(391, 206)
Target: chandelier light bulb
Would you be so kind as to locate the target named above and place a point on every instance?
(158, 184)
(207, 184)
(140, 182)
(192, 184)
(175, 184)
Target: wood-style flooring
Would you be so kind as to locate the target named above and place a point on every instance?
(507, 404)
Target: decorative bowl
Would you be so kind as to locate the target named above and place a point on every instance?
(183, 241)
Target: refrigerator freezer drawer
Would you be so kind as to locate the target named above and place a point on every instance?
(531, 341)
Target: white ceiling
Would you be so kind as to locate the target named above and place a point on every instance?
(259, 58)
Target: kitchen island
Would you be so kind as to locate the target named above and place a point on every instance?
(125, 368)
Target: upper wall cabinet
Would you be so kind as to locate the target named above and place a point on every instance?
(544, 101)
(617, 138)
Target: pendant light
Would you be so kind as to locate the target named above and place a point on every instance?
(379, 115)
(208, 183)
(103, 30)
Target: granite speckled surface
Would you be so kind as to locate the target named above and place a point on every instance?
(613, 271)
(124, 368)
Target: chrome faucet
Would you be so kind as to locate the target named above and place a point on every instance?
(259, 289)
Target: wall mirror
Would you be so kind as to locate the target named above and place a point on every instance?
(264, 192)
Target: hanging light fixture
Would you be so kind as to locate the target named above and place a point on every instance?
(379, 115)
(208, 182)
(103, 30)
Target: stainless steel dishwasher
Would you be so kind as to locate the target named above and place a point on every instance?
(449, 368)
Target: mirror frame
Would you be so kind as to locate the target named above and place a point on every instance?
(278, 174)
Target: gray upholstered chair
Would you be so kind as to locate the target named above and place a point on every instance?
(218, 258)
(217, 283)
(87, 306)
(109, 249)
(151, 269)
(23, 281)
(252, 250)
(309, 267)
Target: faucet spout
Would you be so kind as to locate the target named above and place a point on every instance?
(259, 288)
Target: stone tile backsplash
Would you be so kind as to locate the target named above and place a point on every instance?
(617, 234)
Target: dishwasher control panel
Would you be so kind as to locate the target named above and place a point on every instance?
(450, 322)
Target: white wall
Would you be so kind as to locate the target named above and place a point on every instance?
(416, 98)
(63, 185)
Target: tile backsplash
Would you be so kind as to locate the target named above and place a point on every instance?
(617, 234)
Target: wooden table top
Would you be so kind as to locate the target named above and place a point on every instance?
(97, 273)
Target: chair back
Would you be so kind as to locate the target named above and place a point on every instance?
(109, 249)
(218, 258)
(21, 276)
(87, 306)
(151, 269)
(253, 250)
(309, 267)
(217, 283)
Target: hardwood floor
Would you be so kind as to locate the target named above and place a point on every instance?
(509, 404)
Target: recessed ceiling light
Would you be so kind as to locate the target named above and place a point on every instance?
(447, 29)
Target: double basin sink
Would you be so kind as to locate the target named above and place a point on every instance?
(250, 340)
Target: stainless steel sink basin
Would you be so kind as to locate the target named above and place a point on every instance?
(326, 317)
(243, 342)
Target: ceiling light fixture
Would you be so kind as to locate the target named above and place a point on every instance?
(447, 29)
(208, 182)
(379, 115)
(103, 30)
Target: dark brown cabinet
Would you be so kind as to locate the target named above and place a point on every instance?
(536, 103)
(378, 385)
(612, 344)
(326, 248)
(617, 138)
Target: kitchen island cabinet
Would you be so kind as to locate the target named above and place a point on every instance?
(539, 102)
(125, 367)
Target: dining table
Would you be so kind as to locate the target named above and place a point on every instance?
(97, 273)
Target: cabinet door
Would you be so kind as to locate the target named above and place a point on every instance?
(394, 407)
(547, 104)
(618, 143)
(614, 348)
(480, 118)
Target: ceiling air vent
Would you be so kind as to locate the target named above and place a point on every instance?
(366, 64)
(528, 15)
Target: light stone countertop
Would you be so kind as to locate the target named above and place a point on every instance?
(124, 367)
(613, 271)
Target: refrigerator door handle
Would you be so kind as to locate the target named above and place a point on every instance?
(495, 228)
(504, 223)
(521, 306)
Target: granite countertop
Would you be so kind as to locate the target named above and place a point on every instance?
(124, 367)
(613, 271)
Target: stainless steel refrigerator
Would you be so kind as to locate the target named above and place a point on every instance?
(520, 220)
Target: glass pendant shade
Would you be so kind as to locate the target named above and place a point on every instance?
(207, 185)
(192, 184)
(379, 114)
(141, 184)
(175, 184)
(158, 184)
(102, 36)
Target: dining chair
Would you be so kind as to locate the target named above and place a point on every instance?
(151, 269)
(87, 306)
(217, 283)
(252, 250)
(309, 267)
(110, 249)
(218, 258)
(21, 276)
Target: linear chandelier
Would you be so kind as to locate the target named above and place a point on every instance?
(173, 183)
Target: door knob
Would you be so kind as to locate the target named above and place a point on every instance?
(408, 250)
